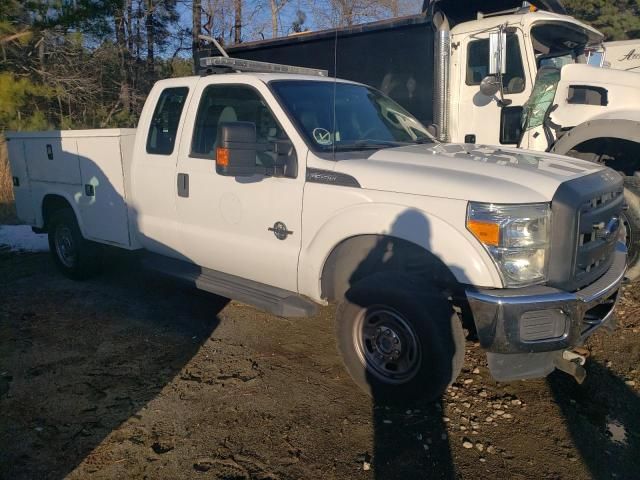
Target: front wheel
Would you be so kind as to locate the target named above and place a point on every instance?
(74, 256)
(631, 221)
(400, 338)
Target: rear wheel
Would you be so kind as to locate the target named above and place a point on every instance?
(74, 256)
(400, 338)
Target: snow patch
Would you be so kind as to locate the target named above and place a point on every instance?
(616, 430)
(20, 238)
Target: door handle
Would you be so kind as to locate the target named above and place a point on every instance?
(183, 185)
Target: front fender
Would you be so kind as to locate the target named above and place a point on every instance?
(624, 125)
(452, 244)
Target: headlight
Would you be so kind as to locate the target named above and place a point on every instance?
(516, 236)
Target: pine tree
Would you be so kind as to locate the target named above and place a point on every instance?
(617, 19)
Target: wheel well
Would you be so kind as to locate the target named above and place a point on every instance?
(51, 204)
(358, 257)
(618, 153)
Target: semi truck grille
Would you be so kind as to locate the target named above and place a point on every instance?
(585, 228)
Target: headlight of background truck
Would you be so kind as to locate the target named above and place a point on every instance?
(516, 236)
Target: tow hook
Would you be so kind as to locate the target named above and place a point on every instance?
(575, 356)
(572, 362)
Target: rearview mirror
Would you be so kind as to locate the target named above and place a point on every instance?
(498, 52)
(490, 85)
(236, 151)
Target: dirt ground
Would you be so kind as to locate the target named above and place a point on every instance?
(133, 376)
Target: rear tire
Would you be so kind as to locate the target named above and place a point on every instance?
(75, 257)
(399, 338)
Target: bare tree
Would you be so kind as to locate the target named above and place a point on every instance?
(237, 27)
(196, 14)
(151, 40)
(276, 7)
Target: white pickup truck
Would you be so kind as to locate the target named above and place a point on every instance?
(289, 191)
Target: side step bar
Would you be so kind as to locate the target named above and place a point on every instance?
(271, 299)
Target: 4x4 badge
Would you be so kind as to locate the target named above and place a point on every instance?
(279, 229)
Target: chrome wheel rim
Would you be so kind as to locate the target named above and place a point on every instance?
(387, 345)
(65, 247)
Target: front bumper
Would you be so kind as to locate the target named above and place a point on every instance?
(524, 329)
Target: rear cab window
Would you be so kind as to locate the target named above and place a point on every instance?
(161, 138)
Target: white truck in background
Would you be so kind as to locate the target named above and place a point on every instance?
(490, 72)
(289, 191)
(620, 55)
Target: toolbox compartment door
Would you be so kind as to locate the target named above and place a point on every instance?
(102, 197)
(21, 183)
(52, 160)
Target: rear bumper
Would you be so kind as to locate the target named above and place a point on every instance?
(523, 329)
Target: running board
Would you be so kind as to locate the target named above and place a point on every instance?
(265, 297)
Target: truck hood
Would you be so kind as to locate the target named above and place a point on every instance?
(466, 172)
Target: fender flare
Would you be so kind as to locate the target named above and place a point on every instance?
(621, 128)
(464, 256)
(68, 199)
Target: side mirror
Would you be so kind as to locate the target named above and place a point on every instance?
(490, 85)
(498, 52)
(236, 151)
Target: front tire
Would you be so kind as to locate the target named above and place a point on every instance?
(631, 221)
(399, 338)
(74, 256)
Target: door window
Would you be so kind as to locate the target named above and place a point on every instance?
(164, 123)
(513, 80)
(235, 103)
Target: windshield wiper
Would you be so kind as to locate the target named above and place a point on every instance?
(422, 141)
(367, 145)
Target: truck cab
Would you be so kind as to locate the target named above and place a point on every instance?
(532, 41)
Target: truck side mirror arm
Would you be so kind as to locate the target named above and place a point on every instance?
(492, 84)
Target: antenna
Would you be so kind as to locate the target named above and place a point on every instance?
(335, 87)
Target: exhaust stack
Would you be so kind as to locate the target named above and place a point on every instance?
(441, 85)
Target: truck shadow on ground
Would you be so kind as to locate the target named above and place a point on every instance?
(410, 439)
(602, 418)
(99, 381)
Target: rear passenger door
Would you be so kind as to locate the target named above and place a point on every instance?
(153, 177)
(228, 224)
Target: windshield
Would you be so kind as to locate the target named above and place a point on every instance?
(363, 118)
(557, 44)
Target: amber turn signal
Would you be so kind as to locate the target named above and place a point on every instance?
(487, 233)
(222, 157)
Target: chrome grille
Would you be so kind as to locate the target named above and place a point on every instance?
(585, 226)
(598, 230)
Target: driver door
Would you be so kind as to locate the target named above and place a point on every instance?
(480, 118)
(235, 225)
